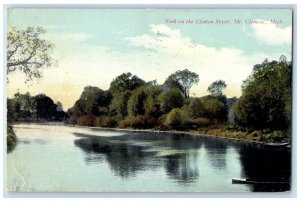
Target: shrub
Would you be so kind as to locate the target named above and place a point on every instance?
(199, 122)
(86, 120)
(105, 121)
(132, 122)
(177, 119)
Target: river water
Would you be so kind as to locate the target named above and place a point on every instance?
(59, 158)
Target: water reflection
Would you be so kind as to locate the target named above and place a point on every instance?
(216, 151)
(182, 167)
(134, 152)
(182, 156)
(266, 164)
(124, 158)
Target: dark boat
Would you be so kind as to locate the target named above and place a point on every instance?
(253, 181)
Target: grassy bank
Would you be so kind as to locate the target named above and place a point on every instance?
(257, 135)
(217, 131)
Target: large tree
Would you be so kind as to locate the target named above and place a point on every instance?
(93, 100)
(266, 97)
(183, 80)
(28, 52)
(217, 88)
(124, 82)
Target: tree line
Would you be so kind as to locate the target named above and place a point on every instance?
(265, 103)
(131, 102)
(24, 107)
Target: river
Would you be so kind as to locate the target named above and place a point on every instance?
(58, 158)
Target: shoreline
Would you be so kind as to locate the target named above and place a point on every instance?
(193, 133)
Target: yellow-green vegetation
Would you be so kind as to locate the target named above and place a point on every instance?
(257, 135)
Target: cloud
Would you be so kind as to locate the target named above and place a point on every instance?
(154, 55)
(68, 37)
(271, 34)
(170, 51)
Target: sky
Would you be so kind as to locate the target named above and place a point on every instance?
(94, 46)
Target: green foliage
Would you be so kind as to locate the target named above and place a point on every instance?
(28, 52)
(152, 104)
(214, 109)
(170, 99)
(105, 121)
(137, 101)
(119, 103)
(182, 80)
(24, 107)
(216, 88)
(132, 122)
(45, 107)
(177, 118)
(86, 120)
(198, 122)
(92, 100)
(266, 97)
(125, 82)
(196, 108)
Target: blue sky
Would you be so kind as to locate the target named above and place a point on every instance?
(93, 46)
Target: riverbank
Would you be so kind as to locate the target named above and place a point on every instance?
(259, 137)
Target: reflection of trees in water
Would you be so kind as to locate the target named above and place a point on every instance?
(182, 167)
(125, 159)
(130, 153)
(216, 152)
(266, 165)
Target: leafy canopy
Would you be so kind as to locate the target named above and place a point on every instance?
(183, 80)
(28, 52)
(217, 88)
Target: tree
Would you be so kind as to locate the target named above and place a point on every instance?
(217, 88)
(177, 118)
(118, 105)
(170, 99)
(196, 108)
(92, 100)
(21, 107)
(28, 52)
(124, 82)
(214, 108)
(266, 97)
(45, 107)
(184, 80)
(152, 105)
(136, 102)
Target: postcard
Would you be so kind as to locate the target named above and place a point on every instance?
(149, 99)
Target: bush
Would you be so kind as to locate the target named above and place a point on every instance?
(177, 119)
(199, 122)
(132, 122)
(105, 121)
(86, 120)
